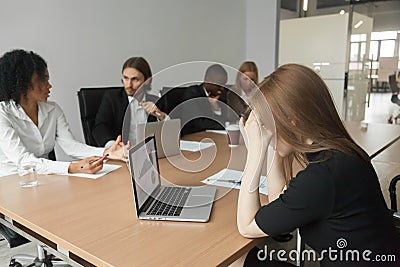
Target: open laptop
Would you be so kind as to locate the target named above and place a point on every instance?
(166, 133)
(156, 202)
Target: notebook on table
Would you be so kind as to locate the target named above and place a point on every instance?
(157, 202)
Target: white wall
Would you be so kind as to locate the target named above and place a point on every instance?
(86, 42)
(262, 34)
(318, 39)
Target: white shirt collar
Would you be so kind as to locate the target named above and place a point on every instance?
(205, 91)
(18, 111)
(130, 98)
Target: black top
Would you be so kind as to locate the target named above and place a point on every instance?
(337, 197)
(197, 114)
(110, 117)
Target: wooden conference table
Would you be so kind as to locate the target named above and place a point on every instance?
(375, 138)
(95, 220)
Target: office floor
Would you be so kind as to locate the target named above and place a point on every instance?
(379, 111)
(380, 108)
(6, 253)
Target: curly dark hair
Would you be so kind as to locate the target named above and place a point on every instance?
(16, 70)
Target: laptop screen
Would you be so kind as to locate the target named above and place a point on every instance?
(144, 171)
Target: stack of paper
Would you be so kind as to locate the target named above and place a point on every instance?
(231, 179)
(106, 169)
(194, 146)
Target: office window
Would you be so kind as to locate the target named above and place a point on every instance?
(383, 35)
(383, 44)
(373, 50)
(354, 51)
(358, 37)
(357, 51)
(355, 66)
(362, 50)
(387, 48)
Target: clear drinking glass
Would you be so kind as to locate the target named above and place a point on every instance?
(27, 174)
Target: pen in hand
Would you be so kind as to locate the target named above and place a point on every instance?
(225, 181)
(234, 182)
(93, 161)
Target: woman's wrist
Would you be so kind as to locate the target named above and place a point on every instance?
(72, 167)
(257, 148)
(106, 151)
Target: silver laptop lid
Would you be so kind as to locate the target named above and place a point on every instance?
(167, 134)
(143, 166)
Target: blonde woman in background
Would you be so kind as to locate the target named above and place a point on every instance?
(238, 96)
(246, 79)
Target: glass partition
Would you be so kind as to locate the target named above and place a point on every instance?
(358, 73)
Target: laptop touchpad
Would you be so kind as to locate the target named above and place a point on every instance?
(195, 201)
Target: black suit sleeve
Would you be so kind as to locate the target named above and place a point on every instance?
(236, 106)
(104, 129)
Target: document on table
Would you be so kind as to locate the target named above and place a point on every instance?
(231, 178)
(217, 131)
(194, 146)
(106, 169)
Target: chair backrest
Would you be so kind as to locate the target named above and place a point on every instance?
(393, 83)
(89, 103)
(393, 203)
(170, 98)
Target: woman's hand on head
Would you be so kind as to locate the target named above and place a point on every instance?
(118, 150)
(255, 134)
(87, 165)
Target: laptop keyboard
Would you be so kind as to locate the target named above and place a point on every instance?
(170, 202)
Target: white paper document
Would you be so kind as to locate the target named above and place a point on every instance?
(217, 131)
(194, 146)
(231, 179)
(106, 169)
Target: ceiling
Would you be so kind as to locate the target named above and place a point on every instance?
(334, 3)
(378, 5)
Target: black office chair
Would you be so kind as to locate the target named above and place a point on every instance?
(394, 88)
(393, 203)
(170, 98)
(41, 259)
(14, 240)
(89, 103)
(395, 117)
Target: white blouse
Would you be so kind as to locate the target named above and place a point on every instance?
(22, 141)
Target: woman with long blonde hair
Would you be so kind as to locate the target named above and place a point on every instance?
(238, 95)
(246, 79)
(335, 198)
